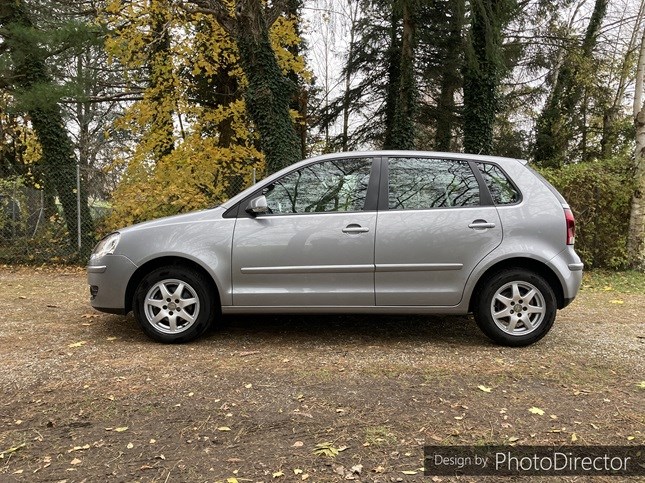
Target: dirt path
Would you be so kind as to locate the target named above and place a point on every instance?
(92, 399)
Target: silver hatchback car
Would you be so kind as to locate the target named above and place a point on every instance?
(388, 232)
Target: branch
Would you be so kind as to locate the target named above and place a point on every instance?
(273, 12)
(213, 8)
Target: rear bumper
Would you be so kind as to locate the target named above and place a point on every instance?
(568, 267)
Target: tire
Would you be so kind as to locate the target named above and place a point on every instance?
(175, 304)
(497, 302)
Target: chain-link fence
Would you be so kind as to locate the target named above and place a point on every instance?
(36, 227)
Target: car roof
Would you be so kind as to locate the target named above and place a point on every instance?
(425, 154)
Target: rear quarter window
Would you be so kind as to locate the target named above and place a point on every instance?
(502, 190)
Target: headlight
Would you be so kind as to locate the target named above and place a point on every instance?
(106, 246)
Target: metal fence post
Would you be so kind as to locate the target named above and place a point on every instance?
(14, 201)
(78, 204)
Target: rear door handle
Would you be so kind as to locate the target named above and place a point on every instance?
(481, 225)
(355, 228)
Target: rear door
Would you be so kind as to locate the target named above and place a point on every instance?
(316, 246)
(436, 221)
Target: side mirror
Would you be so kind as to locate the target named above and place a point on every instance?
(257, 206)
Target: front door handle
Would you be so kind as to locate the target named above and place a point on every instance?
(481, 225)
(355, 228)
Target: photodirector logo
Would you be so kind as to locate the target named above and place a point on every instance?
(534, 460)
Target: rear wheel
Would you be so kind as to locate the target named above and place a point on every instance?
(174, 304)
(515, 308)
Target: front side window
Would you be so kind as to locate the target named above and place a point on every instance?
(338, 185)
(501, 189)
(422, 183)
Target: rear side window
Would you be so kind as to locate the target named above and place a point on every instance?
(501, 189)
(423, 183)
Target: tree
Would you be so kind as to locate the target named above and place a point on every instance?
(554, 126)
(32, 85)
(269, 91)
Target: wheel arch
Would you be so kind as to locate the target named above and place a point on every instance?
(530, 264)
(165, 261)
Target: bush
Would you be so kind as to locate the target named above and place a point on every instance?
(600, 194)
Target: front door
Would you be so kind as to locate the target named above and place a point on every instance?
(315, 246)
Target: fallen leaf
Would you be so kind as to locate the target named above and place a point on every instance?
(153, 441)
(617, 301)
(248, 386)
(278, 474)
(641, 385)
(574, 438)
(121, 429)
(304, 477)
(356, 469)
(512, 439)
(631, 438)
(297, 471)
(535, 410)
(75, 461)
(409, 472)
(325, 449)
(130, 446)
(223, 428)
(484, 388)
(231, 480)
(298, 444)
(77, 344)
(594, 426)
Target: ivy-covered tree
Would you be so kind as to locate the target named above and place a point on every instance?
(483, 70)
(26, 50)
(401, 102)
(269, 91)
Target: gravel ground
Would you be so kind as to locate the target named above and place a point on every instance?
(87, 397)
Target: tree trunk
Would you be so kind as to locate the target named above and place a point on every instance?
(161, 80)
(636, 235)
(450, 78)
(402, 95)
(269, 91)
(394, 76)
(481, 75)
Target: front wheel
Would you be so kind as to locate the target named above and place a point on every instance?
(515, 308)
(174, 304)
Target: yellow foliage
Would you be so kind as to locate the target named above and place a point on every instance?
(204, 167)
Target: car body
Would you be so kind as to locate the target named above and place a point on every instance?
(360, 232)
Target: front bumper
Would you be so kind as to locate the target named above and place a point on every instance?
(108, 279)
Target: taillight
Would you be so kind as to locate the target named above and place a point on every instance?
(571, 226)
